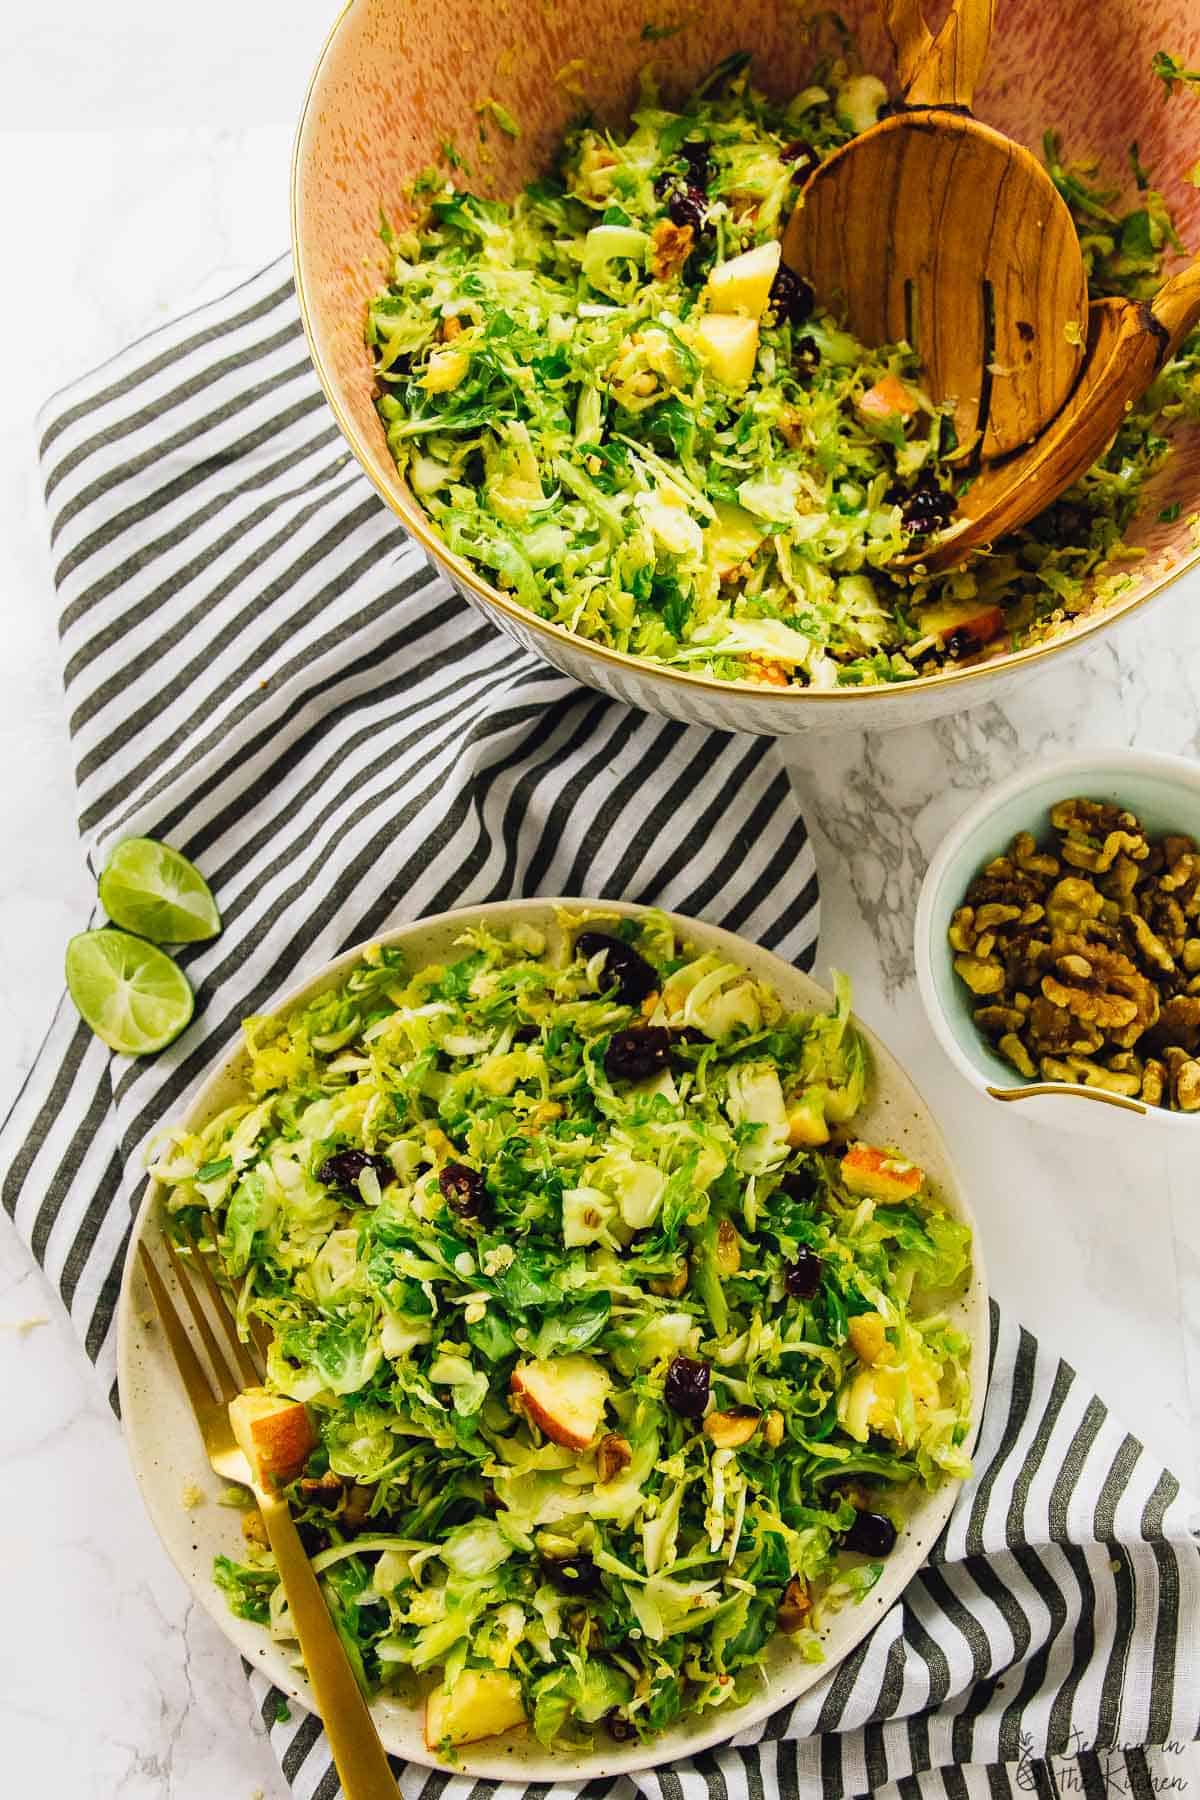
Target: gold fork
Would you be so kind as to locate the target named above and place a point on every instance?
(361, 1759)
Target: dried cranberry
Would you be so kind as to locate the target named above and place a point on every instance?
(927, 507)
(313, 1538)
(686, 1388)
(960, 643)
(699, 165)
(872, 1534)
(343, 1169)
(688, 206)
(791, 296)
(804, 157)
(463, 1190)
(526, 1034)
(634, 1054)
(799, 1185)
(631, 973)
(689, 1034)
(573, 1575)
(803, 1277)
(619, 1727)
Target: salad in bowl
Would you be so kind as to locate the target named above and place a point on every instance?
(624, 1362)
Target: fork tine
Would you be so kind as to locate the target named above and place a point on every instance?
(199, 1388)
(226, 1380)
(245, 1362)
(258, 1331)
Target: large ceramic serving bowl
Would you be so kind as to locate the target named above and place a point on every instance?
(396, 79)
(168, 1460)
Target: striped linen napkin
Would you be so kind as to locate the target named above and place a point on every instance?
(262, 669)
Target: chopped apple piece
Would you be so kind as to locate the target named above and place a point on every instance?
(888, 399)
(482, 1703)
(880, 1174)
(563, 1396)
(274, 1432)
(729, 344)
(979, 620)
(743, 284)
(806, 1122)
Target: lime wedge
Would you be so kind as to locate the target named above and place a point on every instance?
(151, 889)
(132, 995)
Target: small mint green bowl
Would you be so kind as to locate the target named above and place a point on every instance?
(1164, 792)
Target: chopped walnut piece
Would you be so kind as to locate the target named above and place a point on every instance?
(993, 914)
(997, 1019)
(1179, 1023)
(1050, 1026)
(1000, 882)
(1182, 878)
(1088, 817)
(962, 930)
(981, 977)
(1011, 1046)
(1109, 1011)
(1083, 1072)
(1072, 901)
(670, 247)
(1101, 857)
(790, 426)
(671, 1285)
(795, 1607)
(612, 1455)
(1029, 859)
(1187, 1086)
(1151, 946)
(1154, 1081)
(1167, 917)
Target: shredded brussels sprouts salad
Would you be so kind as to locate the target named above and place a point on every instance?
(620, 1351)
(612, 399)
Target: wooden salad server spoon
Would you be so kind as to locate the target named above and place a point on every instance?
(936, 229)
(1128, 343)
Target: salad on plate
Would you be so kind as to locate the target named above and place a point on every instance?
(615, 1352)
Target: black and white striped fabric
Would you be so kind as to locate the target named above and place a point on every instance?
(261, 669)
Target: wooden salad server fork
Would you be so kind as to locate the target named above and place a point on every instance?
(1128, 343)
(360, 1758)
(936, 229)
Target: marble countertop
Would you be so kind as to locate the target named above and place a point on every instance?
(143, 171)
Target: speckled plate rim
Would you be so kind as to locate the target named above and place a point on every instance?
(418, 524)
(166, 1455)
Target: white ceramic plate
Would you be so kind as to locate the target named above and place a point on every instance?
(167, 1457)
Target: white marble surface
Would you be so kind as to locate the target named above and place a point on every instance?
(143, 169)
